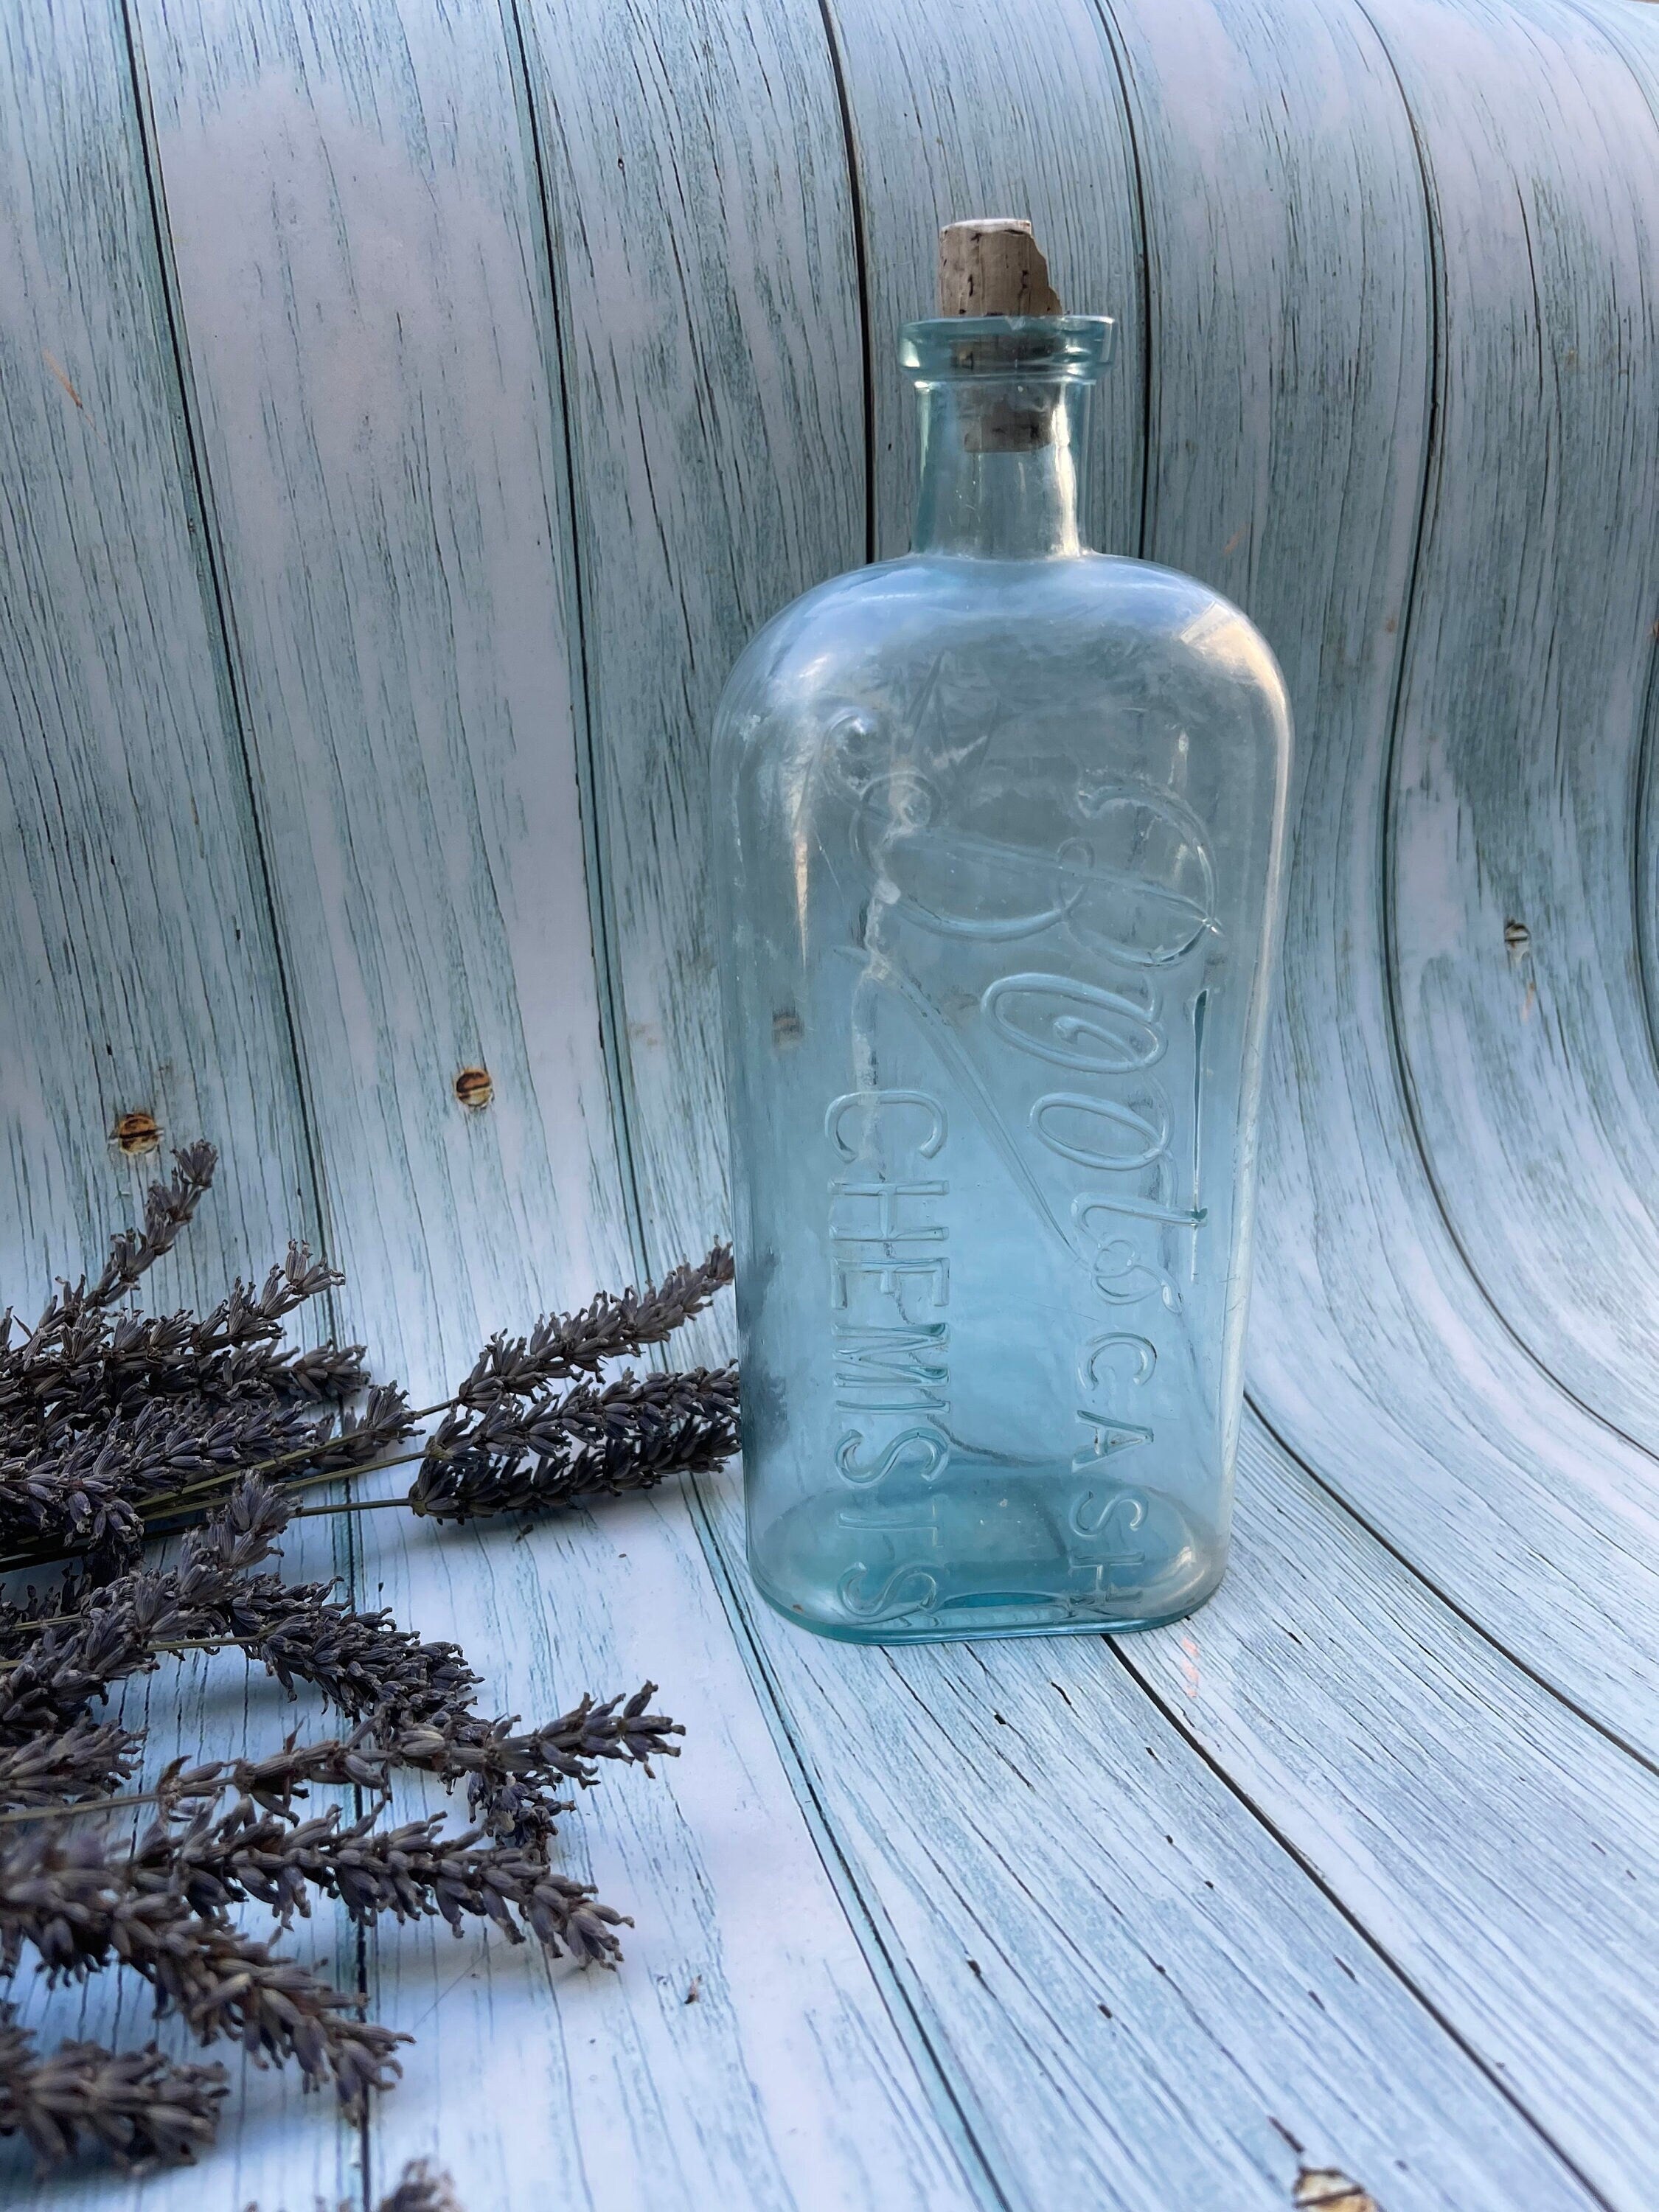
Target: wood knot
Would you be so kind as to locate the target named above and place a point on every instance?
(137, 1134)
(474, 1088)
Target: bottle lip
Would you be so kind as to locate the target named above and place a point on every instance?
(1000, 347)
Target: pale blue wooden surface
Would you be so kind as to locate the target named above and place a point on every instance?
(407, 409)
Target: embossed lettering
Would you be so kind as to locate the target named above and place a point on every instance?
(920, 1451)
(891, 1370)
(1076, 1024)
(1112, 1517)
(873, 1104)
(1144, 1350)
(905, 1589)
(1152, 1136)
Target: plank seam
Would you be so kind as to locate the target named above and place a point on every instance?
(1371, 1942)
(1610, 1734)
(878, 1946)
(855, 199)
(199, 491)
(608, 989)
(1112, 38)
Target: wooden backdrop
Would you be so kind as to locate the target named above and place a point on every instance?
(407, 409)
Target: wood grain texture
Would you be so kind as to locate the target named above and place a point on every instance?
(138, 963)
(441, 460)
(1516, 774)
(702, 225)
(1505, 1853)
(1375, 1350)
(352, 205)
(1028, 122)
(742, 2055)
(1134, 1993)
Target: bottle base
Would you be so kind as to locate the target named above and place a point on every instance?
(990, 1557)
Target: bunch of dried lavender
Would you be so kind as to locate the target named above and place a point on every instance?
(139, 2106)
(163, 1908)
(79, 1909)
(412, 1696)
(114, 1425)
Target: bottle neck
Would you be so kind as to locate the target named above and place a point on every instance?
(1002, 466)
(1005, 414)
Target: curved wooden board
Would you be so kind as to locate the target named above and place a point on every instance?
(1028, 121)
(138, 969)
(1373, 1350)
(1515, 962)
(1503, 1853)
(357, 229)
(705, 267)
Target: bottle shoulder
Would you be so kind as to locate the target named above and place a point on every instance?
(1091, 607)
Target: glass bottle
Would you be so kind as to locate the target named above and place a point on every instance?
(998, 846)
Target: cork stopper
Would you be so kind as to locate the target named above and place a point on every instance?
(993, 266)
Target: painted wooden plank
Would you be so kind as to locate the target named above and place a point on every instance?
(742, 2055)
(1372, 1347)
(705, 266)
(1027, 120)
(1517, 973)
(1138, 1997)
(137, 967)
(1504, 1854)
(353, 209)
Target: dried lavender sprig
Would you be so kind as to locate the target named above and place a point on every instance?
(63, 1897)
(89, 1758)
(413, 1872)
(610, 1328)
(245, 1317)
(510, 1777)
(362, 1662)
(69, 1664)
(108, 1633)
(416, 1695)
(109, 1365)
(168, 1207)
(628, 1435)
(420, 2187)
(91, 1494)
(452, 1744)
(140, 2106)
(411, 1696)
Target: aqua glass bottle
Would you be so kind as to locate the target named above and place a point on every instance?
(998, 844)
